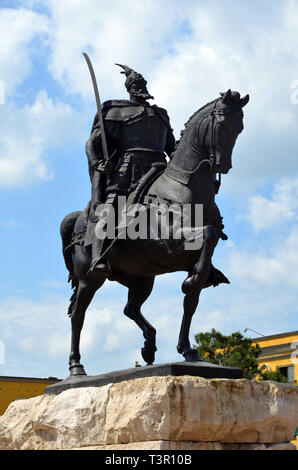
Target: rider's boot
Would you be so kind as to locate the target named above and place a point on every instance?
(98, 264)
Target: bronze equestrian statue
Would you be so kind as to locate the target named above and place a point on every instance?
(138, 137)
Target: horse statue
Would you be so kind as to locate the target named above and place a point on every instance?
(189, 178)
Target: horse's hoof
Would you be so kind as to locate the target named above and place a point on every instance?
(148, 354)
(77, 369)
(192, 356)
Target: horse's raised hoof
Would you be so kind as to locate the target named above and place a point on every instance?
(148, 354)
(77, 369)
(192, 356)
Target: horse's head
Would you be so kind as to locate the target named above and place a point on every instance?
(225, 124)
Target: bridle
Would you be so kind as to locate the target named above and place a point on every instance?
(183, 176)
(213, 157)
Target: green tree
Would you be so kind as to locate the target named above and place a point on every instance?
(234, 351)
(277, 376)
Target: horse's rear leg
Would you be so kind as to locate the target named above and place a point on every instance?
(183, 347)
(138, 293)
(83, 297)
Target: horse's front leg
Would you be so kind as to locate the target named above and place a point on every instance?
(190, 304)
(82, 298)
(138, 293)
(201, 271)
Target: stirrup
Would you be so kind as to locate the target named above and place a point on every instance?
(99, 267)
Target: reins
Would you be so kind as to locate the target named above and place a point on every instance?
(183, 176)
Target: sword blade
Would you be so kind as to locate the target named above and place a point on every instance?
(98, 103)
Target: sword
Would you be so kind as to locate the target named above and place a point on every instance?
(99, 111)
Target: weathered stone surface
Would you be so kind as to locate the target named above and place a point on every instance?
(74, 418)
(279, 446)
(158, 445)
(187, 409)
(187, 445)
(194, 409)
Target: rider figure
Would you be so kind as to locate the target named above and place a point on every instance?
(138, 134)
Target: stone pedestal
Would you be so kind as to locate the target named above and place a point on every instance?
(164, 413)
(195, 369)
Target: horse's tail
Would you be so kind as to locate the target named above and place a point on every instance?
(66, 231)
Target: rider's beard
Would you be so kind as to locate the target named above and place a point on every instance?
(142, 93)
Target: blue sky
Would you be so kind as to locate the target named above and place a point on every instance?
(188, 53)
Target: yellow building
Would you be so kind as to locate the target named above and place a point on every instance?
(13, 388)
(280, 352)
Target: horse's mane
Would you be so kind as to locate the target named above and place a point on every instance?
(194, 115)
(201, 109)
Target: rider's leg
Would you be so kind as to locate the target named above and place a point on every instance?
(100, 242)
(99, 262)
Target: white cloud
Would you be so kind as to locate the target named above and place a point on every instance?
(27, 134)
(51, 283)
(19, 27)
(215, 57)
(188, 59)
(272, 262)
(256, 267)
(265, 214)
(2, 92)
(13, 224)
(58, 346)
(133, 33)
(27, 344)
